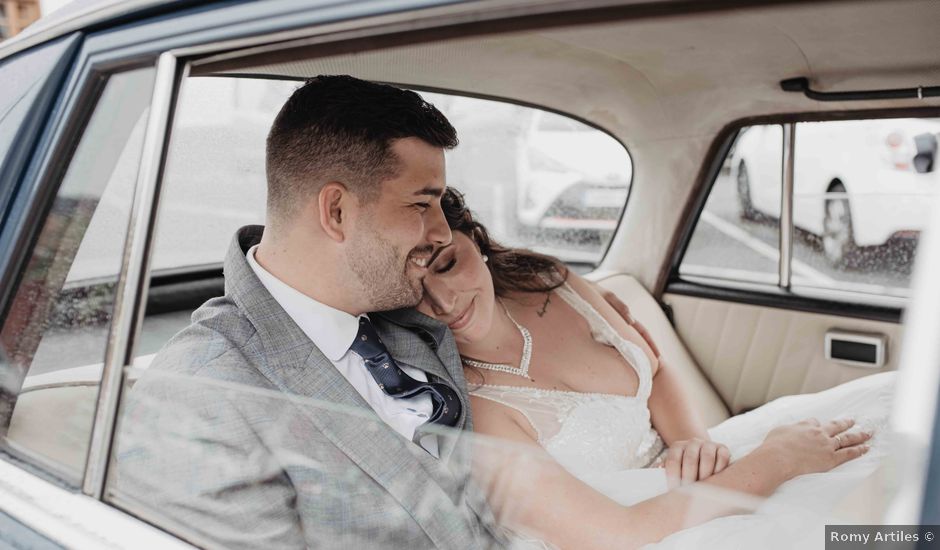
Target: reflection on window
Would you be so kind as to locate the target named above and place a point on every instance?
(241, 466)
(55, 334)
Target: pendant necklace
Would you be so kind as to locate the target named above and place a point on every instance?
(523, 368)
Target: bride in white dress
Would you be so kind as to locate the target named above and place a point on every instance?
(623, 459)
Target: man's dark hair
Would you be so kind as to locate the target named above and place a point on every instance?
(340, 128)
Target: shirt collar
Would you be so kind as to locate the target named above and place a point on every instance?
(330, 329)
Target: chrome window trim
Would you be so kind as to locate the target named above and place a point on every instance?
(785, 259)
(133, 282)
(72, 519)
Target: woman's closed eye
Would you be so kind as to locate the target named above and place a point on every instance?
(448, 266)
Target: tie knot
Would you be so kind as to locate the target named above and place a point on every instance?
(367, 344)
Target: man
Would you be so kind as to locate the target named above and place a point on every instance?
(244, 428)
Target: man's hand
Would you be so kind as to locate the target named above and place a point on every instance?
(692, 460)
(624, 312)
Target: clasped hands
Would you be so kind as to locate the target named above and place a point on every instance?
(690, 460)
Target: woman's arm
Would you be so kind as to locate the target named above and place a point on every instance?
(692, 455)
(531, 493)
(671, 408)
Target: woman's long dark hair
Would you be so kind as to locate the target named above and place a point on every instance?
(512, 269)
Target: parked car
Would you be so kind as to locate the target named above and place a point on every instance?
(856, 183)
(573, 181)
(131, 148)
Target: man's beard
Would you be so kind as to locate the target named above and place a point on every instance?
(381, 273)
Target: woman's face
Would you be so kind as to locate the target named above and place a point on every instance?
(458, 290)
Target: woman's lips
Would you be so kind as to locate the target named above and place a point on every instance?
(464, 318)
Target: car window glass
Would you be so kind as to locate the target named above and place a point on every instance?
(536, 179)
(56, 331)
(862, 195)
(23, 76)
(737, 237)
(216, 157)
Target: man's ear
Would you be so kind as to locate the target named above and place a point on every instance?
(333, 203)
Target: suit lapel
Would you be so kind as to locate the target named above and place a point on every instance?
(296, 366)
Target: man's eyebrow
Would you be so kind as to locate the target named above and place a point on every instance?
(431, 191)
(438, 252)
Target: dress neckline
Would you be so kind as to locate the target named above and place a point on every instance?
(566, 392)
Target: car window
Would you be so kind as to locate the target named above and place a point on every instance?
(536, 179)
(862, 193)
(55, 333)
(736, 237)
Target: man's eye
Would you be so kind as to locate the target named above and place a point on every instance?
(450, 265)
(423, 205)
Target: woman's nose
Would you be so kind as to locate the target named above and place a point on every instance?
(442, 298)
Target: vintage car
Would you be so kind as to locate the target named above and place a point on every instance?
(132, 147)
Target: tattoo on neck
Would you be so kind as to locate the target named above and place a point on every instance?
(548, 298)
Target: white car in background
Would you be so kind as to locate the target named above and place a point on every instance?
(573, 179)
(856, 183)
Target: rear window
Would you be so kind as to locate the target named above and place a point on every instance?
(535, 178)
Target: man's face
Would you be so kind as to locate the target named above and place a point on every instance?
(395, 235)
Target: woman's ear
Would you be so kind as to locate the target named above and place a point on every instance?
(332, 203)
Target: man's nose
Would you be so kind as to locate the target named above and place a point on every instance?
(438, 232)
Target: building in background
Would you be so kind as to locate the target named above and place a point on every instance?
(15, 15)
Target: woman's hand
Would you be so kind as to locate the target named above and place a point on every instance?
(691, 460)
(809, 446)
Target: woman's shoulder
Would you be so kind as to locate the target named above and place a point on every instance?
(590, 293)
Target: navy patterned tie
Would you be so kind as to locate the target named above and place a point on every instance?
(393, 381)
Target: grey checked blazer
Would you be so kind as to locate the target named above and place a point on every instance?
(242, 434)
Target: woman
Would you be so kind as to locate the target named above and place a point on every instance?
(544, 358)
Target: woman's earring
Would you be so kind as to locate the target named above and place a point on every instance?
(485, 258)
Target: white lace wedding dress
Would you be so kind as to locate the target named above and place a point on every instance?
(608, 442)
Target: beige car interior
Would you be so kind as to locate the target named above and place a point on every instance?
(665, 87)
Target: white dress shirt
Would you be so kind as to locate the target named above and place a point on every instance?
(333, 332)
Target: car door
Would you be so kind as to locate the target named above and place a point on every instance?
(757, 336)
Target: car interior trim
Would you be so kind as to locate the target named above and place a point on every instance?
(801, 85)
(469, 19)
(786, 207)
(132, 284)
(811, 301)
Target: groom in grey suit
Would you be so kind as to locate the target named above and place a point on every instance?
(286, 415)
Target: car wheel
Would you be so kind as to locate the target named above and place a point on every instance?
(837, 240)
(744, 193)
